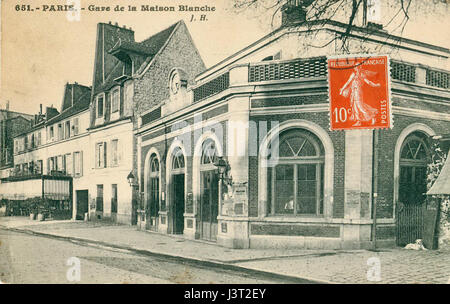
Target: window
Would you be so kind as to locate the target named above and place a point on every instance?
(99, 200)
(100, 155)
(114, 152)
(178, 159)
(295, 184)
(78, 163)
(60, 131)
(115, 101)
(16, 146)
(52, 133)
(60, 163)
(414, 157)
(209, 152)
(39, 138)
(113, 198)
(67, 129)
(39, 167)
(75, 126)
(100, 105)
(69, 164)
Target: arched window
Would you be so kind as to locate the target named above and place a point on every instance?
(178, 159)
(295, 181)
(153, 188)
(414, 157)
(209, 152)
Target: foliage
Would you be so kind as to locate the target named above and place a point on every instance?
(438, 158)
(396, 13)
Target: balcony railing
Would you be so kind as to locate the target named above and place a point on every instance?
(292, 69)
(312, 68)
(213, 87)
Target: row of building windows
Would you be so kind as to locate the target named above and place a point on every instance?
(69, 164)
(114, 98)
(31, 141)
(295, 181)
(64, 130)
(30, 168)
(60, 131)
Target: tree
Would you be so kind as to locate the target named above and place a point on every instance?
(396, 13)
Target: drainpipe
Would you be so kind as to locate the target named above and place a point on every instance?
(374, 187)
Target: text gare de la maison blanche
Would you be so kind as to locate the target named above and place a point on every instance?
(153, 8)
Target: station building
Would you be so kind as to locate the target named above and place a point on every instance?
(204, 152)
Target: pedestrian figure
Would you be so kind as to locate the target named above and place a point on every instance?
(361, 112)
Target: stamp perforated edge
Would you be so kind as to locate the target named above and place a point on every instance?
(388, 87)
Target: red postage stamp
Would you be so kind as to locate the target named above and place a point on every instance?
(359, 92)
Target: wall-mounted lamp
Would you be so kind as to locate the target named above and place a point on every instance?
(131, 179)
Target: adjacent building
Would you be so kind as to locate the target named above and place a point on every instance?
(83, 156)
(11, 124)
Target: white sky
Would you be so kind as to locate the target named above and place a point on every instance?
(40, 51)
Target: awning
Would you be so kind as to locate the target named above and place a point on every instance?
(442, 183)
(21, 188)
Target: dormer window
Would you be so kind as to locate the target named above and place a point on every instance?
(115, 100)
(100, 105)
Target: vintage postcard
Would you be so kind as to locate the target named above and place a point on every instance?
(225, 142)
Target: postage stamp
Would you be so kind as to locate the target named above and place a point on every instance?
(359, 92)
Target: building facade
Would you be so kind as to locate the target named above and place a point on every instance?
(262, 115)
(11, 125)
(90, 144)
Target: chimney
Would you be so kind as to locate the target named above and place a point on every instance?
(294, 11)
(40, 109)
(7, 105)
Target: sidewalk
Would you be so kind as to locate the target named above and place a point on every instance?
(327, 266)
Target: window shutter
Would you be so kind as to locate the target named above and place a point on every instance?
(105, 154)
(75, 124)
(48, 165)
(97, 153)
(81, 163)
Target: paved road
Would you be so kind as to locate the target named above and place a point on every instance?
(26, 258)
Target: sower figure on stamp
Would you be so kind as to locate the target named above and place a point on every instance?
(360, 110)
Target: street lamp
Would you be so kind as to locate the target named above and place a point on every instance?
(131, 179)
(135, 200)
(222, 166)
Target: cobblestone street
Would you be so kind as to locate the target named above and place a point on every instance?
(396, 265)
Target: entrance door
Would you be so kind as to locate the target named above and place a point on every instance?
(153, 203)
(209, 204)
(178, 203)
(82, 203)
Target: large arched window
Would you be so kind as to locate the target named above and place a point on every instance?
(414, 157)
(295, 180)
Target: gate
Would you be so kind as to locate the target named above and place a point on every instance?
(410, 223)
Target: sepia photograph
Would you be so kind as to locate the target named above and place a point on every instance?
(245, 143)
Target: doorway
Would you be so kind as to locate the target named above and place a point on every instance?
(178, 203)
(82, 203)
(209, 204)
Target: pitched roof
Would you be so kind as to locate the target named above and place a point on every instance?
(155, 42)
(80, 104)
